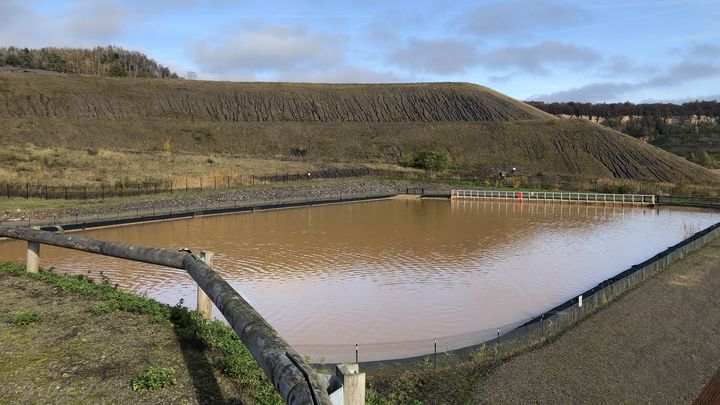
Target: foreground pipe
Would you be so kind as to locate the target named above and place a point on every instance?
(296, 382)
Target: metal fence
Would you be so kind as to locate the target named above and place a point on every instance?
(523, 195)
(150, 187)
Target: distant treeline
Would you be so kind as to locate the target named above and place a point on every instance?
(617, 110)
(691, 130)
(109, 60)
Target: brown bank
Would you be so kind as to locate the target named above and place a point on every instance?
(657, 344)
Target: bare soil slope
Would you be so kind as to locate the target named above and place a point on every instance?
(481, 129)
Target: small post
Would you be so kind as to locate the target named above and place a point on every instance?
(353, 383)
(356, 353)
(204, 305)
(435, 344)
(33, 255)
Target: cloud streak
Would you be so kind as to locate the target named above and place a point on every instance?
(676, 75)
(536, 58)
(519, 17)
(441, 56)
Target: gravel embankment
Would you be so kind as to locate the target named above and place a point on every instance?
(212, 198)
(658, 344)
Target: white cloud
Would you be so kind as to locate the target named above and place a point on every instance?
(536, 58)
(519, 17)
(269, 49)
(441, 56)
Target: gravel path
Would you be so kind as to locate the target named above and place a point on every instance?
(659, 343)
(314, 189)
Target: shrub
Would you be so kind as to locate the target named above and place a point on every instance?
(25, 318)
(116, 70)
(154, 378)
(428, 160)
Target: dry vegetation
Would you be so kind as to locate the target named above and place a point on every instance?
(56, 166)
(480, 129)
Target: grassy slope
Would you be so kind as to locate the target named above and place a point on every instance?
(93, 339)
(481, 129)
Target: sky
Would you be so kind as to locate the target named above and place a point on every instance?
(550, 50)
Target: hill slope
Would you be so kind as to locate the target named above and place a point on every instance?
(481, 129)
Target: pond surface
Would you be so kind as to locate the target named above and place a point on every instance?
(394, 270)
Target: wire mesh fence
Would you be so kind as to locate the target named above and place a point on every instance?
(156, 186)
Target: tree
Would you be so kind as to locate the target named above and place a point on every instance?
(115, 70)
(429, 160)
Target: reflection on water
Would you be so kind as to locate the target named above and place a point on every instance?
(395, 269)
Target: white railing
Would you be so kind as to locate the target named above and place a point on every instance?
(589, 198)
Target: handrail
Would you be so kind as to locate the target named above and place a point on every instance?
(293, 378)
(576, 197)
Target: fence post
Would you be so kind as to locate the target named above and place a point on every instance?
(27, 191)
(353, 383)
(33, 255)
(204, 305)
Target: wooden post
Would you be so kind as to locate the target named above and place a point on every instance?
(33, 255)
(204, 305)
(353, 383)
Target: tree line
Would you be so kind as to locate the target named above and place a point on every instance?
(617, 110)
(102, 61)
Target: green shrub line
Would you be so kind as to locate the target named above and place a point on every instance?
(228, 353)
(25, 318)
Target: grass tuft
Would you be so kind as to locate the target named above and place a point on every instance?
(154, 378)
(25, 318)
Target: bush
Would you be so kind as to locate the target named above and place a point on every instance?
(25, 318)
(154, 378)
(428, 160)
(116, 70)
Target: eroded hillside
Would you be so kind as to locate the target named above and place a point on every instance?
(479, 128)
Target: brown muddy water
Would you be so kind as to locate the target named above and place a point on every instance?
(394, 270)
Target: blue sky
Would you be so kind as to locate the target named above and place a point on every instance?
(599, 51)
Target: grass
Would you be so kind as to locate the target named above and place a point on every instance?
(25, 318)
(61, 166)
(229, 354)
(154, 378)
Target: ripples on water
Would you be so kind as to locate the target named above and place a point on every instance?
(396, 269)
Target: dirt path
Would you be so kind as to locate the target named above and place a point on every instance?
(658, 344)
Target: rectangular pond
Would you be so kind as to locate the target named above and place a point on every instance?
(394, 270)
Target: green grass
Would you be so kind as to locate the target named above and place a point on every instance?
(154, 378)
(233, 358)
(25, 318)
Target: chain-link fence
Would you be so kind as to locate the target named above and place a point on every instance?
(156, 186)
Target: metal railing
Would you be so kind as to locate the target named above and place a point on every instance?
(589, 198)
(293, 378)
